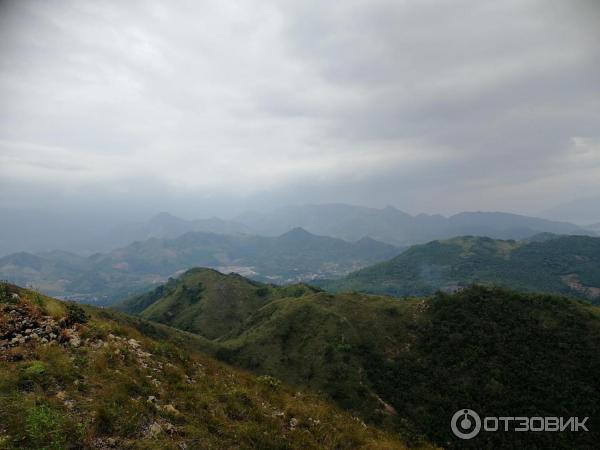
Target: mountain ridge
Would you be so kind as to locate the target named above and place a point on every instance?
(566, 265)
(398, 227)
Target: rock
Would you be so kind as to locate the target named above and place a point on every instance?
(293, 423)
(169, 427)
(171, 410)
(105, 443)
(75, 341)
(70, 404)
(155, 429)
(152, 399)
(61, 395)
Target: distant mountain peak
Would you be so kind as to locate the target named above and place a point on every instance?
(297, 232)
(366, 240)
(164, 217)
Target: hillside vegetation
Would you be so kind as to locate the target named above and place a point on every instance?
(408, 365)
(567, 265)
(73, 377)
(207, 302)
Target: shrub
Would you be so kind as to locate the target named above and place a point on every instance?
(76, 314)
(3, 293)
(45, 428)
(269, 381)
(262, 291)
(37, 300)
(33, 374)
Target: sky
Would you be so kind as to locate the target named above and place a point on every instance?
(214, 107)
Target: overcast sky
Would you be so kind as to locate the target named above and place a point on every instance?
(211, 107)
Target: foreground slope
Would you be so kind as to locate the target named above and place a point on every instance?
(567, 265)
(409, 364)
(75, 378)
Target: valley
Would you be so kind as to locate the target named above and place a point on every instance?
(102, 279)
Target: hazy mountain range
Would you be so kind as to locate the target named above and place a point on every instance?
(34, 231)
(104, 277)
(397, 227)
(165, 225)
(583, 211)
(351, 238)
(40, 232)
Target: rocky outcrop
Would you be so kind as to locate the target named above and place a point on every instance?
(20, 324)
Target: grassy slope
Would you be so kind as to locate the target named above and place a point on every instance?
(484, 348)
(316, 341)
(528, 266)
(57, 396)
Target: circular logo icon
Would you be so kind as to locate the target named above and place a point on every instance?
(465, 423)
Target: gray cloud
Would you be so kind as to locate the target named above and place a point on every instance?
(218, 106)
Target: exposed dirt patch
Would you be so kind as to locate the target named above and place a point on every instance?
(572, 280)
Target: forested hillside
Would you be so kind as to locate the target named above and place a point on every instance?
(568, 265)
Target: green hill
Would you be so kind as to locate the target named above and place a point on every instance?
(207, 302)
(89, 378)
(409, 365)
(568, 265)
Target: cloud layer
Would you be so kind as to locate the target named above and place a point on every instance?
(429, 105)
